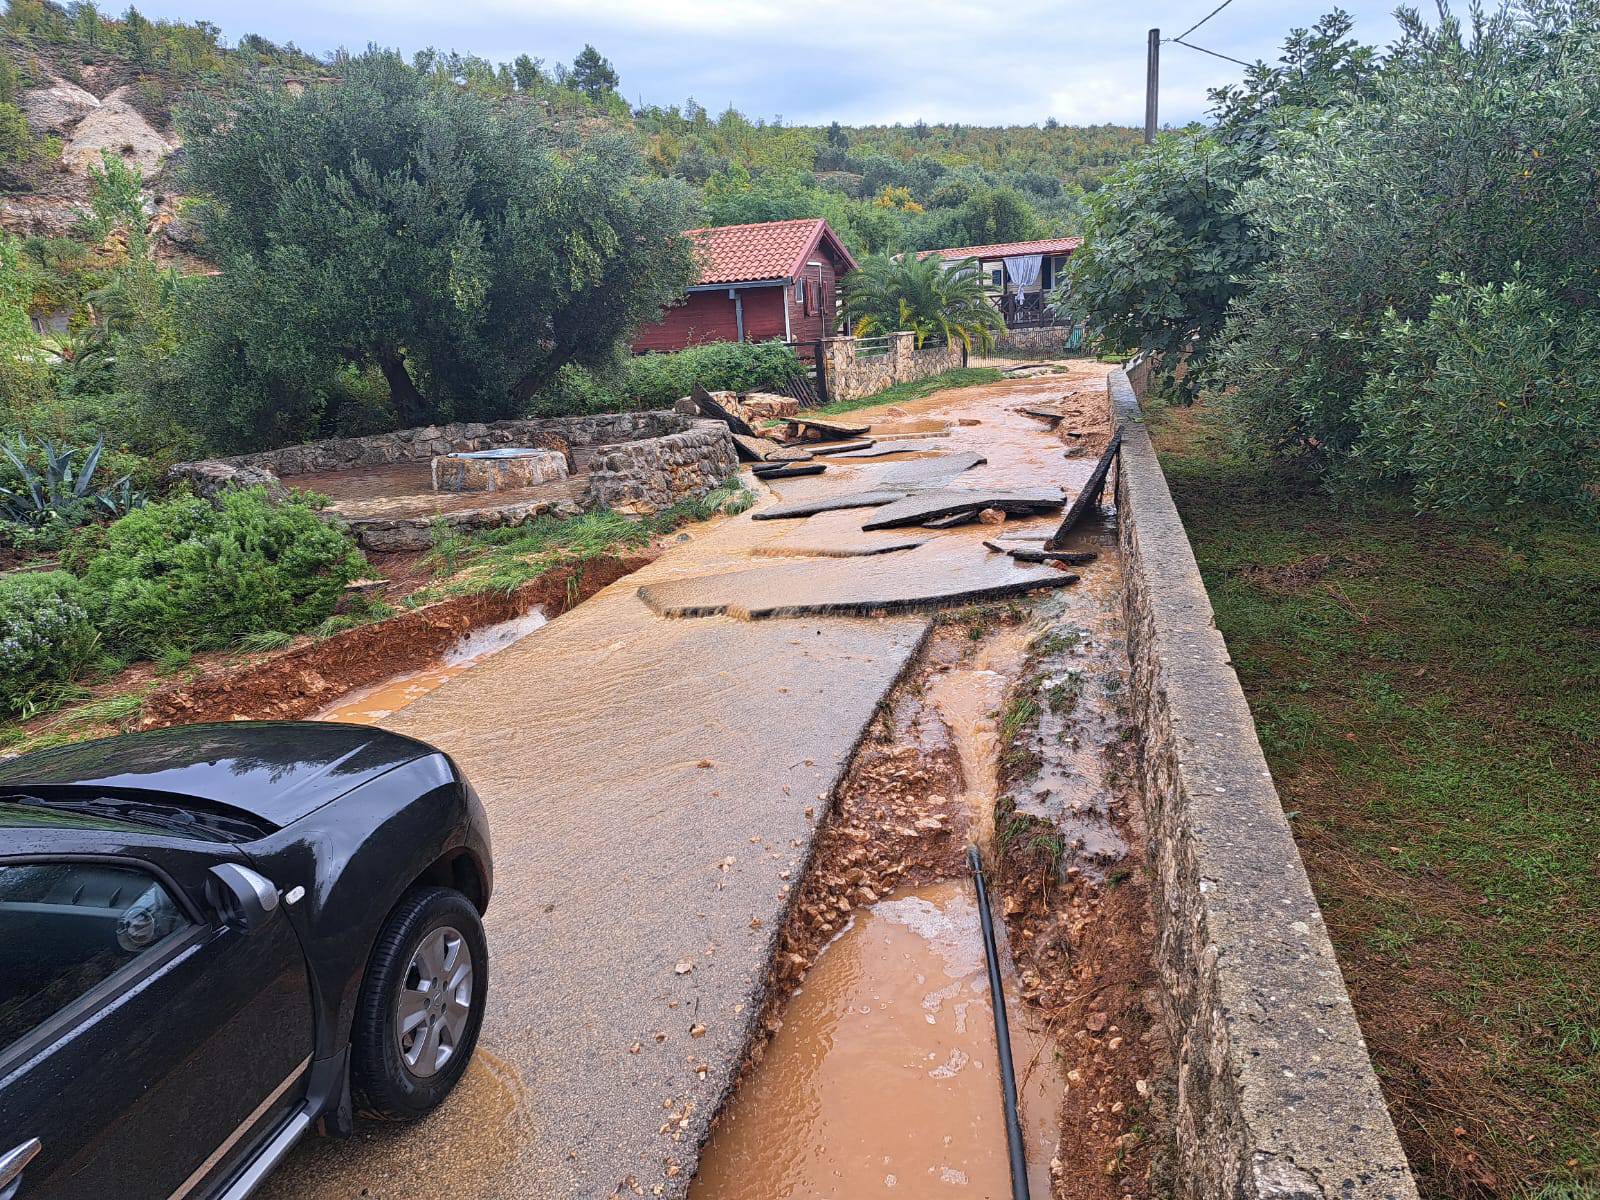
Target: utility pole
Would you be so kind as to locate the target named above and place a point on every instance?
(1152, 85)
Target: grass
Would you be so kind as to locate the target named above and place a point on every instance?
(900, 393)
(1427, 690)
(506, 558)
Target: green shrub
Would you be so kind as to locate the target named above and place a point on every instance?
(46, 638)
(1491, 400)
(181, 574)
(656, 380)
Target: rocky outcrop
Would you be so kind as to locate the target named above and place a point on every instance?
(115, 126)
(57, 108)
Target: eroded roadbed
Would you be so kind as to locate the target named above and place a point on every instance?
(655, 788)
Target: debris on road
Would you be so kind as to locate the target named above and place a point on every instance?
(922, 507)
(779, 470)
(805, 508)
(1089, 497)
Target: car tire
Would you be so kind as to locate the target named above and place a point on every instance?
(412, 1039)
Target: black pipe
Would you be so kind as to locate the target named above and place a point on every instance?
(1002, 1036)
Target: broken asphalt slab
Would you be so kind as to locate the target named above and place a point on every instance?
(805, 508)
(931, 470)
(898, 446)
(922, 507)
(929, 576)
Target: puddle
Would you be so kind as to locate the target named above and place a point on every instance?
(883, 1079)
(371, 705)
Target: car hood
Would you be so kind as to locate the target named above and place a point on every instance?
(277, 771)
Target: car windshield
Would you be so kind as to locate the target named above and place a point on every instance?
(96, 811)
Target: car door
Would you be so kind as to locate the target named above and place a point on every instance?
(147, 1045)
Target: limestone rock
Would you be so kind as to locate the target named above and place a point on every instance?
(211, 477)
(57, 108)
(120, 128)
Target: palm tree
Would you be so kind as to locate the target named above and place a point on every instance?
(924, 295)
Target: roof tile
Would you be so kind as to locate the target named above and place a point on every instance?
(747, 253)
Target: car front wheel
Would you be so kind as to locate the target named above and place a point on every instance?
(420, 1007)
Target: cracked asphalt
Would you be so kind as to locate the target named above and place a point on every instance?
(653, 787)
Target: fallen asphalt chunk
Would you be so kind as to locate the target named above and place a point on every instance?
(1089, 497)
(1029, 554)
(704, 402)
(760, 449)
(922, 507)
(817, 429)
(927, 470)
(839, 447)
(851, 586)
(782, 470)
(804, 508)
(896, 446)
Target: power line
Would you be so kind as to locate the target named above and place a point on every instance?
(1213, 53)
(1200, 22)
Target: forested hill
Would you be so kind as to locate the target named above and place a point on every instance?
(888, 187)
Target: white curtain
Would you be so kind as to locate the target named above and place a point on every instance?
(1023, 272)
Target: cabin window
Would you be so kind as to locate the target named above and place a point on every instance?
(997, 276)
(800, 291)
(816, 297)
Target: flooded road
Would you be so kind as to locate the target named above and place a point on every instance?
(654, 787)
(883, 1080)
(371, 705)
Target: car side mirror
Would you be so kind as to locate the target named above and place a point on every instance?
(246, 899)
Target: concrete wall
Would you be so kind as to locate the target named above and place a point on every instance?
(853, 374)
(1276, 1096)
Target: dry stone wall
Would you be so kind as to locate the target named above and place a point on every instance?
(1276, 1095)
(640, 463)
(853, 372)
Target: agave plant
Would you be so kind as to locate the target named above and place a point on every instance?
(62, 492)
(924, 296)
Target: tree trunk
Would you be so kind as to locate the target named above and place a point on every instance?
(409, 403)
(529, 385)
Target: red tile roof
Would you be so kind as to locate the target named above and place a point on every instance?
(768, 250)
(1008, 249)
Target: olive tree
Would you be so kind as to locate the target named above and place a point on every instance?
(395, 222)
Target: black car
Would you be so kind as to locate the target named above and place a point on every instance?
(214, 937)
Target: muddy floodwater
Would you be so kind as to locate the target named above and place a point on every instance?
(883, 1080)
(370, 705)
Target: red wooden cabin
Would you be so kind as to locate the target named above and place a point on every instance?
(777, 280)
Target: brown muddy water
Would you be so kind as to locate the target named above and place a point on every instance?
(883, 1080)
(371, 705)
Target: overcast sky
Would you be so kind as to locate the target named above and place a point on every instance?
(995, 62)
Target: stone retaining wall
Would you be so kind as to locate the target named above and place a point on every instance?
(852, 374)
(642, 462)
(421, 444)
(1276, 1096)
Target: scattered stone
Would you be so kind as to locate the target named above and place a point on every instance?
(992, 516)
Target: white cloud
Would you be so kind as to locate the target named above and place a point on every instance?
(891, 60)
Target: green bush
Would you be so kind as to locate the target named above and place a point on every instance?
(46, 637)
(1492, 400)
(181, 574)
(656, 380)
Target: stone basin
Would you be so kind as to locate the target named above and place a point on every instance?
(501, 469)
